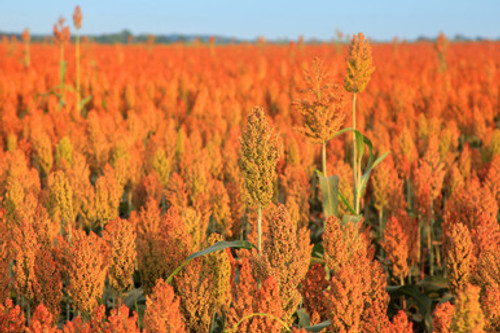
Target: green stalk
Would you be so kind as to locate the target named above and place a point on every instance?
(420, 242)
(259, 229)
(358, 185)
(118, 302)
(28, 312)
(325, 174)
(429, 240)
(354, 156)
(381, 230)
(408, 194)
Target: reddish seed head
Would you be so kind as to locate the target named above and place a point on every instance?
(77, 17)
(26, 35)
(321, 104)
(61, 32)
(441, 43)
(359, 64)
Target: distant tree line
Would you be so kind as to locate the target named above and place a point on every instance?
(126, 37)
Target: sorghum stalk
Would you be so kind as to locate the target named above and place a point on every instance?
(258, 159)
(28, 312)
(322, 108)
(354, 156)
(359, 70)
(429, 239)
(61, 36)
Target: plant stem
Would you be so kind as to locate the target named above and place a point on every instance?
(259, 228)
(119, 300)
(28, 312)
(408, 194)
(381, 230)
(429, 240)
(354, 156)
(420, 257)
(325, 174)
(402, 283)
(68, 315)
(438, 256)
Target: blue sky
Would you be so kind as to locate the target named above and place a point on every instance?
(379, 19)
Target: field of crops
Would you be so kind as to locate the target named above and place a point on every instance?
(335, 187)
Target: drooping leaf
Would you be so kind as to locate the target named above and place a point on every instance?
(366, 175)
(360, 144)
(351, 219)
(346, 203)
(379, 159)
(342, 131)
(423, 301)
(133, 297)
(304, 319)
(318, 327)
(219, 246)
(434, 283)
(84, 101)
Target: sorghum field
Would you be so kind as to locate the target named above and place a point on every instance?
(341, 187)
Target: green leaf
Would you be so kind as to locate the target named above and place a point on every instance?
(84, 101)
(369, 169)
(424, 302)
(318, 251)
(347, 203)
(434, 283)
(360, 144)
(361, 141)
(363, 182)
(219, 246)
(304, 319)
(370, 151)
(319, 327)
(380, 159)
(351, 219)
(329, 189)
(342, 131)
(133, 297)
